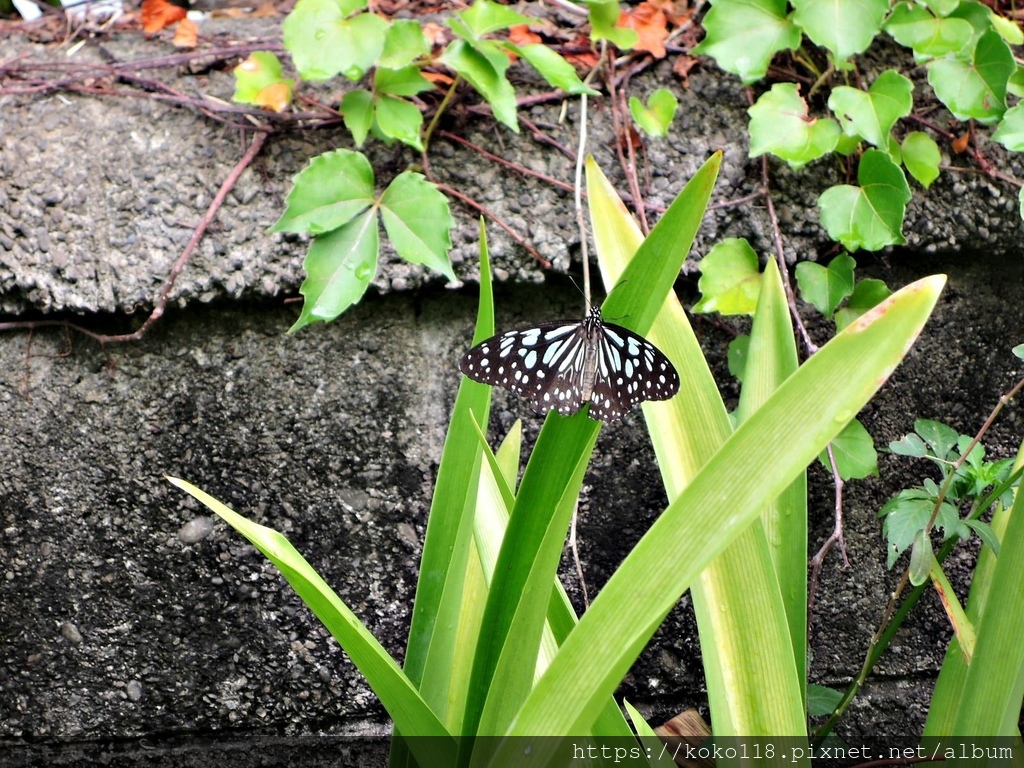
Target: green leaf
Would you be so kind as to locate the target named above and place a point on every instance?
(604, 19)
(324, 43)
(941, 439)
(1020, 199)
(928, 35)
(486, 16)
(553, 68)
(869, 216)
(941, 7)
(260, 70)
(845, 27)
(1007, 29)
(855, 454)
(655, 117)
(1018, 351)
(399, 119)
(1015, 85)
(730, 279)
(779, 124)
(657, 756)
(908, 513)
(339, 267)
(921, 559)
(391, 685)
(826, 287)
(822, 701)
(909, 445)
(873, 114)
(1010, 132)
(866, 294)
(327, 193)
(404, 42)
(744, 35)
(738, 353)
(418, 221)
(406, 81)
(985, 533)
(357, 110)
(487, 75)
(975, 88)
(921, 156)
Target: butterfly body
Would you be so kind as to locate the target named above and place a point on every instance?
(564, 365)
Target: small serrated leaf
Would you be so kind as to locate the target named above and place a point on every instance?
(909, 445)
(328, 193)
(921, 557)
(941, 439)
(323, 42)
(487, 75)
(357, 111)
(985, 533)
(339, 267)
(486, 16)
(404, 42)
(730, 279)
(399, 119)
(407, 81)
(553, 68)
(418, 221)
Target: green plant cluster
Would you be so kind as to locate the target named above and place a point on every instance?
(964, 46)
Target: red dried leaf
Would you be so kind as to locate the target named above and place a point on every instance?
(960, 143)
(682, 66)
(651, 26)
(159, 14)
(520, 34)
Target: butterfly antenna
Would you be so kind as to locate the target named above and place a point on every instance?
(580, 221)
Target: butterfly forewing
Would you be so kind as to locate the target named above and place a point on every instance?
(549, 364)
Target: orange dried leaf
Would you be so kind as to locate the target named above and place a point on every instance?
(682, 66)
(677, 11)
(579, 53)
(520, 34)
(276, 97)
(186, 35)
(159, 14)
(435, 33)
(960, 143)
(438, 78)
(651, 26)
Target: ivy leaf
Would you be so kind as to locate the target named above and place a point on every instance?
(1015, 84)
(604, 24)
(941, 7)
(744, 35)
(975, 88)
(339, 267)
(866, 295)
(328, 193)
(730, 279)
(404, 42)
(845, 27)
(928, 35)
(1010, 132)
(552, 67)
(855, 453)
(399, 119)
(921, 156)
(654, 117)
(258, 81)
(486, 73)
(872, 114)
(1007, 29)
(324, 43)
(869, 216)
(357, 110)
(826, 287)
(418, 221)
(779, 124)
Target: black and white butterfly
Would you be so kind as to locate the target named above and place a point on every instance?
(564, 365)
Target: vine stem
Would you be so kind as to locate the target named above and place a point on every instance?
(440, 111)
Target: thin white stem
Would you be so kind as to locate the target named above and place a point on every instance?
(580, 221)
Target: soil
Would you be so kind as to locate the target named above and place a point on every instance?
(136, 630)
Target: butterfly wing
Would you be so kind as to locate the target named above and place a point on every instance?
(629, 370)
(544, 363)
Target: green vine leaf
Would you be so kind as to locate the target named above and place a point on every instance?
(975, 88)
(407, 81)
(1007, 30)
(483, 64)
(324, 41)
(921, 156)
(357, 111)
(1020, 199)
(845, 27)
(328, 193)
(780, 124)
(941, 7)
(826, 287)
(552, 67)
(604, 20)
(854, 449)
(872, 114)
(396, 118)
(928, 35)
(418, 221)
(736, 357)
(258, 80)
(869, 216)
(655, 117)
(866, 295)
(744, 35)
(404, 42)
(730, 279)
(484, 17)
(339, 267)
(1010, 132)
(908, 513)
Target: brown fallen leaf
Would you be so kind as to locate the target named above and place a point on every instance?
(651, 26)
(682, 66)
(159, 14)
(520, 34)
(579, 53)
(960, 143)
(186, 35)
(275, 97)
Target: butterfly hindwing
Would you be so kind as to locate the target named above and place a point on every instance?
(560, 366)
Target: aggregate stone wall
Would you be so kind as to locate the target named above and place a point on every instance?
(136, 630)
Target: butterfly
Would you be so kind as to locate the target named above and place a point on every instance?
(564, 365)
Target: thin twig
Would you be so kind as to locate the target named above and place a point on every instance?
(507, 163)
(836, 537)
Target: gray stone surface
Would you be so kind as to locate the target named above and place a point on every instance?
(133, 626)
